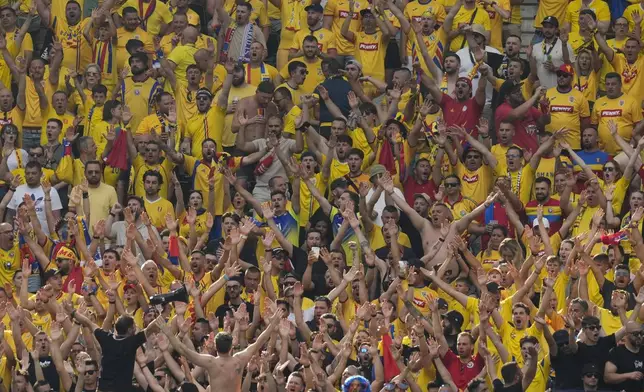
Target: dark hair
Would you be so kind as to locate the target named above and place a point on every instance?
(99, 89)
(135, 197)
(324, 299)
(294, 65)
(285, 303)
(123, 324)
(129, 10)
(266, 87)
(116, 254)
(310, 38)
(338, 183)
(93, 162)
(231, 215)
(345, 139)
(588, 12)
(223, 342)
(614, 75)
(133, 44)
(108, 107)
(140, 56)
(7, 8)
(162, 94)
(54, 120)
(153, 173)
(247, 5)
(278, 192)
(367, 108)
(333, 66)
(543, 179)
(356, 151)
(451, 54)
(502, 228)
(509, 371)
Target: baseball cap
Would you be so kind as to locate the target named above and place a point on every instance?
(51, 273)
(506, 88)
(65, 253)
(550, 20)
(442, 304)
(455, 319)
(546, 223)
(589, 368)
(129, 286)
(567, 69)
(466, 80)
(561, 337)
(314, 8)
(423, 196)
(366, 11)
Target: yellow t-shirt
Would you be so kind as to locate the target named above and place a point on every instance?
(33, 114)
(186, 101)
(293, 19)
(258, 15)
(152, 18)
(183, 57)
(204, 126)
(566, 109)
(66, 118)
(465, 16)
(414, 11)
(77, 52)
(496, 22)
(625, 111)
(139, 97)
(326, 39)
(632, 80)
(265, 72)
(574, 7)
(157, 211)
(236, 93)
(475, 184)
(122, 56)
(313, 78)
(11, 262)
(339, 10)
(435, 44)
(308, 204)
(556, 8)
(140, 167)
(370, 52)
(611, 323)
(489, 258)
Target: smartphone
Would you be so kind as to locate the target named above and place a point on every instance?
(316, 250)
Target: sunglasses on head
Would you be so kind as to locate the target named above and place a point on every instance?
(390, 386)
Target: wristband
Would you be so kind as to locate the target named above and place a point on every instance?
(112, 302)
(243, 236)
(85, 195)
(73, 313)
(226, 278)
(485, 136)
(47, 198)
(12, 189)
(96, 237)
(113, 214)
(441, 239)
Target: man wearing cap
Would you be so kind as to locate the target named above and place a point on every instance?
(312, 60)
(576, 7)
(568, 107)
(551, 53)
(326, 38)
(371, 41)
(469, 14)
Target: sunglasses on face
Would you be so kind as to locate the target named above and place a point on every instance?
(638, 334)
(451, 184)
(90, 372)
(593, 375)
(593, 327)
(609, 169)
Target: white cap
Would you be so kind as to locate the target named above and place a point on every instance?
(546, 223)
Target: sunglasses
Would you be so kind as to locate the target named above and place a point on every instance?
(90, 372)
(451, 184)
(609, 169)
(593, 327)
(594, 375)
(390, 386)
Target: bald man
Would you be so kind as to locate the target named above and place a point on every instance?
(183, 55)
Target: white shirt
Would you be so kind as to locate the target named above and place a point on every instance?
(14, 163)
(38, 195)
(547, 78)
(380, 204)
(467, 65)
(119, 236)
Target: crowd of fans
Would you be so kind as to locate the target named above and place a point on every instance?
(291, 196)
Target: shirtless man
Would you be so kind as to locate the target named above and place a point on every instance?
(226, 369)
(438, 227)
(257, 109)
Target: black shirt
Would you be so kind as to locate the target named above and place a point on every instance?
(48, 370)
(220, 313)
(566, 368)
(119, 353)
(607, 292)
(597, 354)
(627, 361)
(338, 89)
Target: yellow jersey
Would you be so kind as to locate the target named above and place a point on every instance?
(625, 111)
(313, 78)
(339, 10)
(182, 56)
(122, 55)
(632, 79)
(139, 97)
(153, 14)
(140, 167)
(599, 7)
(436, 45)
(326, 39)
(414, 10)
(475, 184)
(204, 126)
(566, 109)
(157, 211)
(77, 51)
(465, 16)
(11, 262)
(496, 22)
(370, 52)
(66, 118)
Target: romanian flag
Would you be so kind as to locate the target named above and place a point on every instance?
(173, 250)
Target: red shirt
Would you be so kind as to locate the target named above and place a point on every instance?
(462, 373)
(412, 187)
(521, 137)
(464, 113)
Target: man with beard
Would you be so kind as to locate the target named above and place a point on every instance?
(237, 94)
(9, 111)
(521, 113)
(462, 108)
(452, 196)
(624, 368)
(551, 207)
(500, 62)
(8, 19)
(116, 231)
(101, 196)
(313, 66)
(551, 53)
(419, 182)
(76, 49)
(131, 30)
(622, 109)
(257, 70)
(236, 36)
(471, 56)
(156, 206)
(138, 91)
(233, 302)
(58, 110)
(33, 189)
(325, 37)
(591, 154)
(163, 121)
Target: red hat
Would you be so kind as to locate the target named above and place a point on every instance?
(466, 80)
(567, 69)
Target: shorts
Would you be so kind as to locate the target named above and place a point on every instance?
(392, 57)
